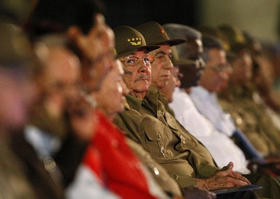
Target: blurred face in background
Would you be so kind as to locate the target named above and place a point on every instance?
(59, 80)
(242, 67)
(111, 97)
(97, 48)
(216, 73)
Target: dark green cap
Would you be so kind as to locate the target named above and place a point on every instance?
(154, 34)
(129, 40)
(15, 49)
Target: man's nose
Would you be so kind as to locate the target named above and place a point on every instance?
(143, 68)
(168, 63)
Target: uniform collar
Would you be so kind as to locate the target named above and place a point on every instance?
(151, 101)
(133, 103)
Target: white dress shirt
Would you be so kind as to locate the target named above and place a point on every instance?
(207, 104)
(220, 145)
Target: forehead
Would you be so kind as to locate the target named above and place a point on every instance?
(163, 48)
(138, 53)
(217, 53)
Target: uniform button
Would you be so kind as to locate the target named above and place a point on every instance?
(239, 121)
(162, 150)
(156, 171)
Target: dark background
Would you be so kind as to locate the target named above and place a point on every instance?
(136, 12)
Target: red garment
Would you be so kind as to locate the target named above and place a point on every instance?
(121, 168)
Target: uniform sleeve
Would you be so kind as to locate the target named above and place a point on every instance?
(159, 174)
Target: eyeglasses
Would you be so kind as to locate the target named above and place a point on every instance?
(134, 60)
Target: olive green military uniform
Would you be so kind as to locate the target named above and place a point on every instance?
(251, 118)
(160, 175)
(13, 183)
(148, 123)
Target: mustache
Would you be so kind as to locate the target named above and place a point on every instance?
(142, 77)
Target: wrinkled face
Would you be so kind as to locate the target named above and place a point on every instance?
(242, 66)
(111, 97)
(59, 81)
(216, 73)
(137, 72)
(190, 73)
(161, 66)
(16, 97)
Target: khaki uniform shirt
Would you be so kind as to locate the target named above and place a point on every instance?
(148, 123)
(251, 118)
(159, 174)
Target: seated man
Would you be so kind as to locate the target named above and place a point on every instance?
(219, 144)
(205, 100)
(159, 66)
(240, 92)
(47, 129)
(146, 121)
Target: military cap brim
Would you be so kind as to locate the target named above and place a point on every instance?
(128, 40)
(171, 42)
(155, 34)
